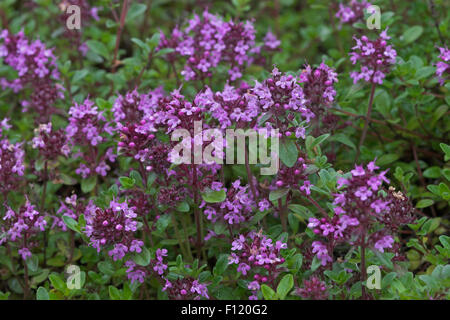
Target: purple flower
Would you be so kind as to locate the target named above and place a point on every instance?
(375, 56)
(321, 252)
(37, 69)
(383, 243)
(263, 205)
(306, 187)
(443, 67)
(352, 12)
(25, 253)
(363, 193)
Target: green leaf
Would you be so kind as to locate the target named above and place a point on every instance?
(317, 141)
(79, 75)
(163, 222)
(221, 265)
(33, 263)
(183, 207)
(424, 203)
(385, 258)
(387, 158)
(382, 102)
(438, 113)
(288, 152)
(151, 178)
(106, 267)
(87, 185)
(98, 47)
(412, 34)
(268, 292)
(344, 139)
(446, 149)
(71, 224)
(446, 173)
(126, 182)
(42, 294)
(57, 282)
(143, 258)
(114, 293)
(277, 194)
(135, 10)
(154, 40)
(213, 196)
(285, 285)
(136, 176)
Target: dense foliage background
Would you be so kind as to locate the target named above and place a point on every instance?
(88, 194)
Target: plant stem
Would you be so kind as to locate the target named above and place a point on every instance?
(363, 267)
(26, 287)
(198, 243)
(250, 176)
(188, 244)
(72, 246)
(282, 215)
(177, 235)
(314, 202)
(366, 121)
(148, 231)
(123, 16)
(42, 207)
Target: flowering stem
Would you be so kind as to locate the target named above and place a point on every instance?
(147, 65)
(282, 215)
(148, 231)
(72, 246)
(250, 176)
(26, 287)
(363, 268)
(314, 202)
(177, 235)
(188, 244)
(434, 15)
(123, 15)
(196, 213)
(44, 191)
(175, 73)
(366, 121)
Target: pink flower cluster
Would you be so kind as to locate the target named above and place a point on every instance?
(72, 207)
(254, 252)
(361, 204)
(186, 288)
(443, 67)
(21, 225)
(235, 209)
(36, 67)
(11, 161)
(157, 267)
(114, 226)
(313, 289)
(352, 12)
(207, 41)
(85, 129)
(280, 99)
(375, 57)
(318, 87)
(229, 106)
(50, 143)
